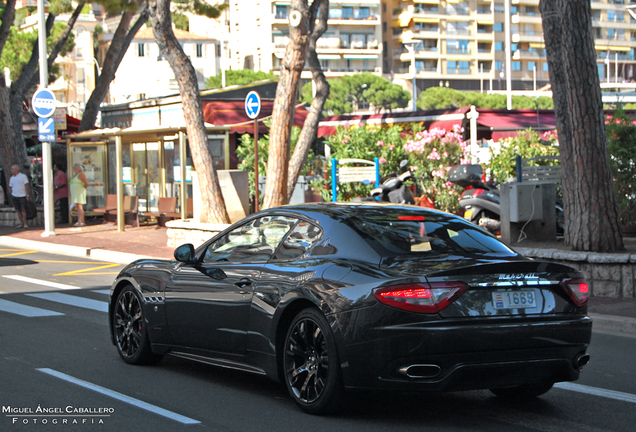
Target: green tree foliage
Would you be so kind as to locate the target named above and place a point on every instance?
(443, 97)
(621, 137)
(19, 48)
(245, 154)
(237, 77)
(527, 144)
(352, 90)
(199, 7)
(181, 21)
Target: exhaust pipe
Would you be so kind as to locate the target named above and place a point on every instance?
(581, 360)
(420, 371)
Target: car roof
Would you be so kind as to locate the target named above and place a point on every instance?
(352, 209)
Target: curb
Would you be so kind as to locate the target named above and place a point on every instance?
(75, 251)
(613, 324)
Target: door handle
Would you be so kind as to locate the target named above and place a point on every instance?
(243, 283)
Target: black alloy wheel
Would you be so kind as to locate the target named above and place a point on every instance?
(130, 330)
(310, 360)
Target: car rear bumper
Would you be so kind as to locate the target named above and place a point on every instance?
(454, 355)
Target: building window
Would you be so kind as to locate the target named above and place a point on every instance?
(499, 8)
(498, 65)
(199, 50)
(141, 50)
(532, 66)
(498, 27)
(499, 46)
(457, 67)
(281, 12)
(545, 66)
(516, 65)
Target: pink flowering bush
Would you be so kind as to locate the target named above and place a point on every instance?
(432, 153)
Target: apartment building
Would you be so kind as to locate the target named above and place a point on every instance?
(144, 73)
(462, 43)
(259, 34)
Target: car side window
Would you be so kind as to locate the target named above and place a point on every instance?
(254, 241)
(302, 238)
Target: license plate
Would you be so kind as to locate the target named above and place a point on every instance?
(468, 214)
(522, 299)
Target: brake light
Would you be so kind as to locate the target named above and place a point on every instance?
(423, 297)
(577, 290)
(478, 192)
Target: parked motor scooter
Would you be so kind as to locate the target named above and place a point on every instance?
(480, 202)
(393, 188)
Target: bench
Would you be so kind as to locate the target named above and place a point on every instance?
(111, 204)
(543, 173)
(131, 212)
(166, 211)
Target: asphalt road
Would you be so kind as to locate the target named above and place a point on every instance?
(59, 371)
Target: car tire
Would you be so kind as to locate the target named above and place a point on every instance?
(311, 366)
(130, 329)
(527, 391)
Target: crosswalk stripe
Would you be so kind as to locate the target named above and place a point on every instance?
(27, 311)
(41, 282)
(106, 291)
(72, 300)
(120, 397)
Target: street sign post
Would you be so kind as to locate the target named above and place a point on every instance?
(252, 105)
(46, 129)
(253, 109)
(43, 103)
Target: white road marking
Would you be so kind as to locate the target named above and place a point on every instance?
(610, 394)
(121, 397)
(27, 311)
(106, 291)
(72, 300)
(41, 282)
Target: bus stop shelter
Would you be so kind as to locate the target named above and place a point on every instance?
(149, 163)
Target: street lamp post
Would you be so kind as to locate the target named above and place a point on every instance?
(410, 46)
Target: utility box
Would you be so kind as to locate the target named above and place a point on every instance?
(528, 211)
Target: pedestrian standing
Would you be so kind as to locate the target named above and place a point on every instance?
(20, 190)
(60, 184)
(78, 184)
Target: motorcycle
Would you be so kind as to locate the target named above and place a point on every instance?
(393, 189)
(481, 202)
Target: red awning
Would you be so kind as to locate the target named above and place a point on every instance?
(232, 113)
(497, 124)
(444, 119)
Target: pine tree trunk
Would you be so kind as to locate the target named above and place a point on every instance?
(283, 110)
(118, 46)
(310, 127)
(214, 210)
(591, 211)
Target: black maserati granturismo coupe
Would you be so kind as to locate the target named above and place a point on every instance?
(333, 296)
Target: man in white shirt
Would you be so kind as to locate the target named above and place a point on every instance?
(20, 190)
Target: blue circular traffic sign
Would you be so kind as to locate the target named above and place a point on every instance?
(43, 103)
(252, 105)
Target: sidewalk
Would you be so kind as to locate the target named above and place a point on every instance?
(103, 242)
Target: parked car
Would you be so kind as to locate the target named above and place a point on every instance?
(333, 296)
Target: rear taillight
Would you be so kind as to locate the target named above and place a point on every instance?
(478, 192)
(422, 297)
(577, 289)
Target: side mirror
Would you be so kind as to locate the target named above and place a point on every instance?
(184, 253)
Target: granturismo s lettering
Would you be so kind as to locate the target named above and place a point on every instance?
(515, 276)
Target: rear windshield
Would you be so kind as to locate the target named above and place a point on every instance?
(395, 234)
